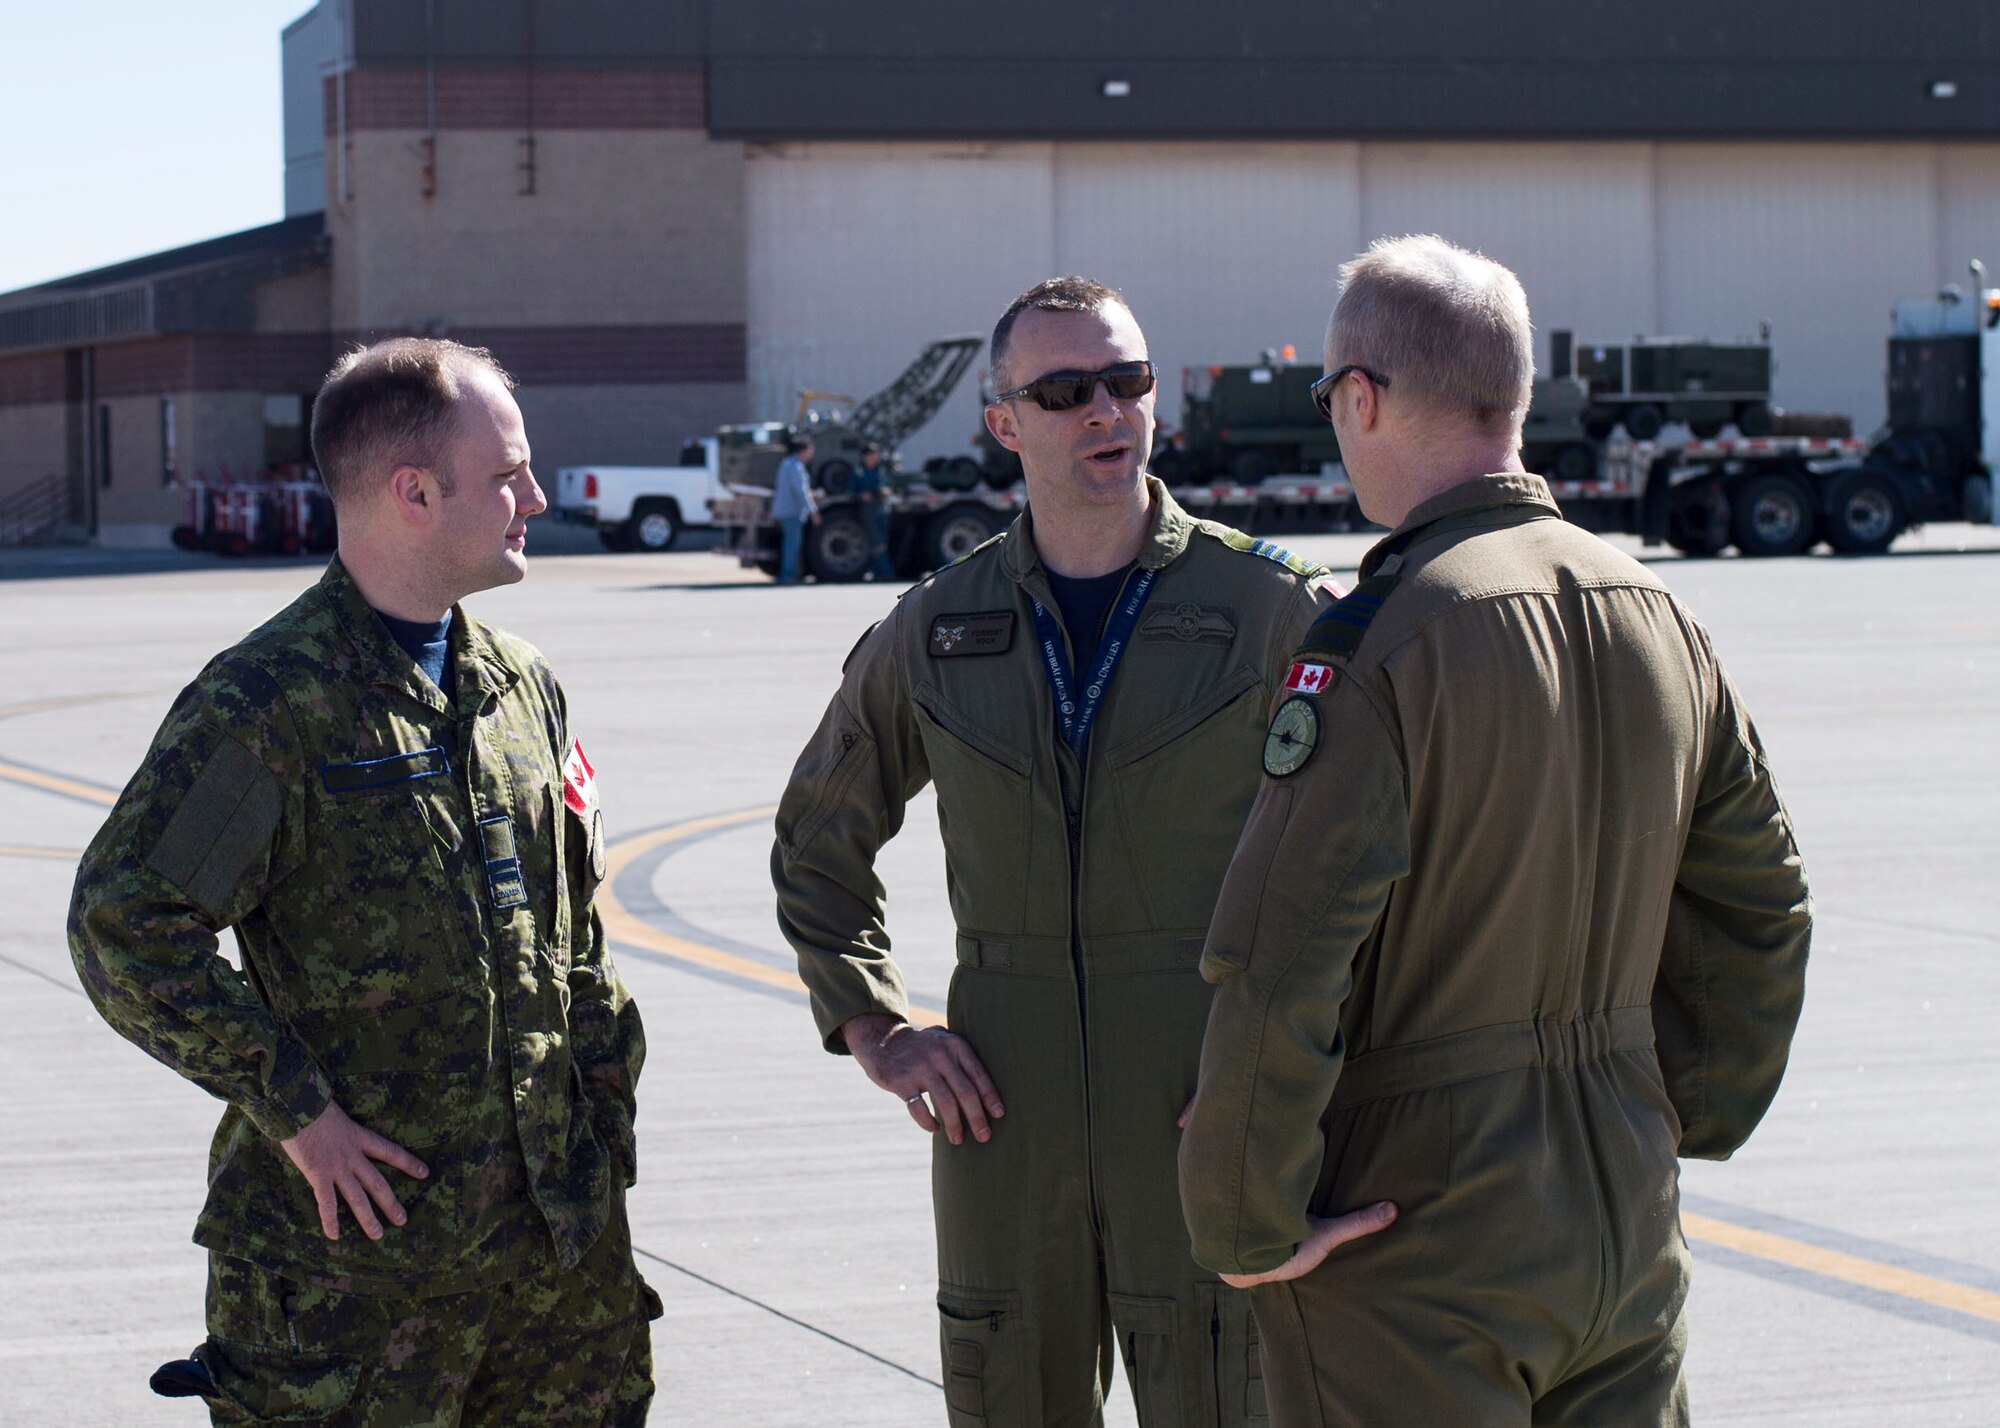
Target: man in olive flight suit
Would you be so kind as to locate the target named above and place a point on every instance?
(416, 1195)
(1517, 919)
(1086, 693)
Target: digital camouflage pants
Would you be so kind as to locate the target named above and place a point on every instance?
(560, 1347)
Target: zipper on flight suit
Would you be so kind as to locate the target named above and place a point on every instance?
(1073, 818)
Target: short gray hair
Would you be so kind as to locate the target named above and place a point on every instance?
(392, 404)
(1446, 326)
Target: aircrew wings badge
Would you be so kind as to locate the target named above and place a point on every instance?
(1309, 678)
(579, 782)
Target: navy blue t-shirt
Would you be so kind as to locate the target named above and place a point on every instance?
(428, 643)
(1084, 604)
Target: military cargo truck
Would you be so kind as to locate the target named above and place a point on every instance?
(1247, 423)
(1651, 381)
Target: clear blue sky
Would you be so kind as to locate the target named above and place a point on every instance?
(127, 126)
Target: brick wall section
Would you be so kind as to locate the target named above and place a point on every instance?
(606, 356)
(30, 379)
(519, 98)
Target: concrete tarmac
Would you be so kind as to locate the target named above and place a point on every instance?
(1848, 1260)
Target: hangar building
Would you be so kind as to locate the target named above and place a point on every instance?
(666, 216)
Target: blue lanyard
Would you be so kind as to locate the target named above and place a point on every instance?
(1076, 708)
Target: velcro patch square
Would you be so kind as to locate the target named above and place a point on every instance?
(986, 634)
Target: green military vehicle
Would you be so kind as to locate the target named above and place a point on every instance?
(1651, 381)
(1247, 423)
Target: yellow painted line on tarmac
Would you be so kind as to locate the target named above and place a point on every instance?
(622, 926)
(55, 783)
(37, 706)
(1848, 1268)
(64, 855)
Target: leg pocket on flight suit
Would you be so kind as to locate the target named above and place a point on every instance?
(985, 1366)
(1149, 1341)
(1235, 1359)
(256, 1383)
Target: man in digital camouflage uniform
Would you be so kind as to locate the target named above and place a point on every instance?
(1086, 692)
(1517, 919)
(416, 1195)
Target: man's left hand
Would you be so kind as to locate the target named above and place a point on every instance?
(1326, 1236)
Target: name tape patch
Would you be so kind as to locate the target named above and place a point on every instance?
(989, 633)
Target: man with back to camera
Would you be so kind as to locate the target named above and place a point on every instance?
(1086, 692)
(793, 508)
(416, 1206)
(1517, 918)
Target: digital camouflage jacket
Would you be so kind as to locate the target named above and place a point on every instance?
(410, 887)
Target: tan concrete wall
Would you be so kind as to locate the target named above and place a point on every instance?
(33, 444)
(621, 425)
(624, 227)
(135, 495)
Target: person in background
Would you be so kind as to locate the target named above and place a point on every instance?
(871, 485)
(793, 507)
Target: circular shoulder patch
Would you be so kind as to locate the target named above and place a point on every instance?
(1293, 737)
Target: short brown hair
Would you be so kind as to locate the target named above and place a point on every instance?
(390, 405)
(1071, 294)
(1447, 326)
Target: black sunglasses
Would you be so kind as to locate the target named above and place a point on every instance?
(1322, 390)
(1061, 391)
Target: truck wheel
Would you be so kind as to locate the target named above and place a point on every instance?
(1698, 519)
(1573, 461)
(655, 526)
(1644, 421)
(1705, 428)
(836, 477)
(1003, 475)
(1599, 422)
(1754, 419)
(1251, 468)
(1170, 464)
(838, 547)
(1865, 514)
(957, 531)
(1771, 515)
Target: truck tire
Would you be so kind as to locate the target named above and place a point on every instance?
(1251, 467)
(836, 477)
(956, 531)
(1865, 514)
(1599, 422)
(1573, 461)
(1170, 464)
(1772, 514)
(837, 549)
(1002, 475)
(1698, 519)
(1644, 421)
(655, 526)
(1705, 428)
(1754, 419)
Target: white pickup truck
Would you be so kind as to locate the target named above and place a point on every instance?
(642, 507)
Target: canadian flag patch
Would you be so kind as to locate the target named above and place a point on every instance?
(1309, 678)
(579, 782)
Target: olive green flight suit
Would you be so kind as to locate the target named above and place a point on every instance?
(1081, 894)
(1524, 923)
(410, 891)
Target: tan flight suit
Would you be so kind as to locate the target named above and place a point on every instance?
(1081, 894)
(1524, 832)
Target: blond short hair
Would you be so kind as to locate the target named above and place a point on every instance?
(392, 404)
(1449, 328)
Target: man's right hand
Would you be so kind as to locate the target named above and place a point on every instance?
(911, 1062)
(337, 1156)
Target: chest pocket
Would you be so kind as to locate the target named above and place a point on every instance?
(1183, 789)
(375, 922)
(984, 816)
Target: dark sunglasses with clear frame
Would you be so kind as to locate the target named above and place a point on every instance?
(1063, 391)
(1322, 390)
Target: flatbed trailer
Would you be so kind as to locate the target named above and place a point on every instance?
(929, 528)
